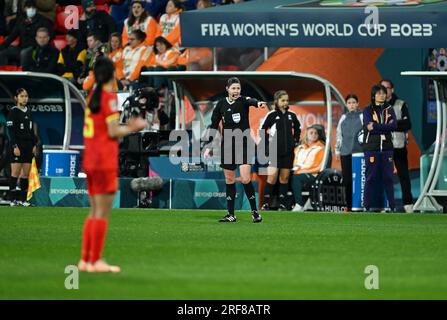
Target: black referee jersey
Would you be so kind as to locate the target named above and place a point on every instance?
(20, 126)
(233, 114)
(286, 127)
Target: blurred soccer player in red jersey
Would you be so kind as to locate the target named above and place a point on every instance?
(101, 131)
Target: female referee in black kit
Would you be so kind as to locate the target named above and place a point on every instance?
(233, 111)
(282, 124)
(23, 144)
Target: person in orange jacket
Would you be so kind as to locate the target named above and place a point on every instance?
(140, 19)
(115, 53)
(183, 60)
(308, 158)
(170, 23)
(135, 56)
(164, 58)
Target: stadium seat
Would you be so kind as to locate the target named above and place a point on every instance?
(14, 43)
(60, 20)
(10, 68)
(229, 68)
(104, 8)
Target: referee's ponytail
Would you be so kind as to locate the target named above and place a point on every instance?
(104, 72)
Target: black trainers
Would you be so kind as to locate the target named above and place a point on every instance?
(228, 218)
(256, 216)
(265, 207)
(282, 208)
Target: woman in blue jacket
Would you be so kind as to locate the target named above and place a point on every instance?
(379, 120)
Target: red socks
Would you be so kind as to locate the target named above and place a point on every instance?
(93, 237)
(86, 242)
(97, 238)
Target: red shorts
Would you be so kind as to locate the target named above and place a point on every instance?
(102, 181)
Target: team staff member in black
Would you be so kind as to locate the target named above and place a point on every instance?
(23, 143)
(400, 141)
(233, 111)
(282, 125)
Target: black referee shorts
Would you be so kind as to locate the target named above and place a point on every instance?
(26, 152)
(232, 157)
(284, 161)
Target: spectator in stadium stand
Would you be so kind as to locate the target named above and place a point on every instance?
(164, 59)
(140, 19)
(170, 23)
(135, 56)
(400, 141)
(233, 112)
(27, 24)
(115, 52)
(203, 4)
(94, 49)
(307, 164)
(47, 8)
(189, 4)
(100, 162)
(155, 7)
(43, 57)
(282, 125)
(347, 142)
(379, 121)
(3, 29)
(23, 147)
(119, 10)
(97, 21)
(72, 57)
(9, 9)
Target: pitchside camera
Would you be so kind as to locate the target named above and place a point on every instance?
(141, 101)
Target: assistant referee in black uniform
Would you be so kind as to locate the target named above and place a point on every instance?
(233, 111)
(283, 125)
(23, 147)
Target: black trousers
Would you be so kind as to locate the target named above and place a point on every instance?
(401, 163)
(346, 168)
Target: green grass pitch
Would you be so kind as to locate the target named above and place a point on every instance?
(185, 254)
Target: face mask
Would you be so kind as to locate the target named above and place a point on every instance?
(30, 12)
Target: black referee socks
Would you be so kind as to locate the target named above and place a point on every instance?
(250, 192)
(12, 188)
(267, 192)
(23, 189)
(231, 195)
(283, 188)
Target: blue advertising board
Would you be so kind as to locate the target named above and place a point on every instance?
(303, 23)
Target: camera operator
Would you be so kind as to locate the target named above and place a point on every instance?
(156, 118)
(144, 102)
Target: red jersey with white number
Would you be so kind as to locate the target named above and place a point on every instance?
(101, 151)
